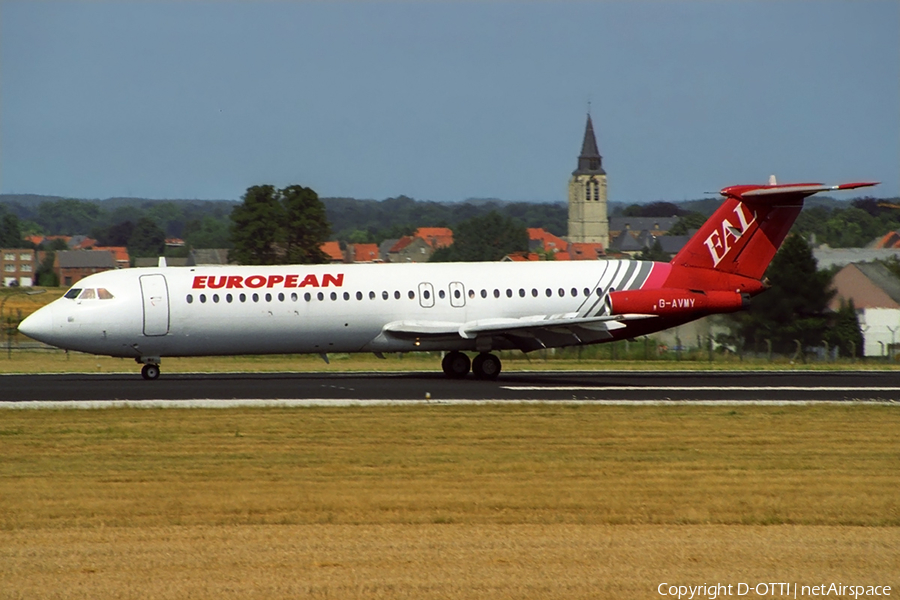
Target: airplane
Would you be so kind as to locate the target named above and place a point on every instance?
(151, 313)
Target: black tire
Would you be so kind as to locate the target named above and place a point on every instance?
(150, 372)
(455, 365)
(486, 366)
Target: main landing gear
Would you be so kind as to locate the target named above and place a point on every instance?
(485, 366)
(150, 370)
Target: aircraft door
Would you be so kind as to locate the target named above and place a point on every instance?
(155, 296)
(457, 294)
(426, 295)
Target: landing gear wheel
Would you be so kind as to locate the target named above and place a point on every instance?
(486, 366)
(455, 365)
(150, 372)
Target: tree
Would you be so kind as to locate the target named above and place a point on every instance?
(275, 226)
(208, 232)
(255, 226)
(846, 333)
(654, 252)
(688, 221)
(147, 239)
(306, 226)
(10, 233)
(794, 308)
(46, 276)
(114, 235)
(488, 237)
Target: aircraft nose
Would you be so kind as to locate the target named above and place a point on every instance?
(38, 325)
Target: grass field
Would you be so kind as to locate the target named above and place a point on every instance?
(537, 501)
(57, 361)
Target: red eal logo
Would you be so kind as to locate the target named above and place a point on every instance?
(724, 237)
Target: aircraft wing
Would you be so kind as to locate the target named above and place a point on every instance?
(526, 333)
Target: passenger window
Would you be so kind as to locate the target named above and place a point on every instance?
(599, 292)
(103, 294)
(441, 294)
(456, 294)
(87, 294)
(549, 292)
(496, 293)
(307, 296)
(371, 295)
(587, 292)
(334, 295)
(574, 292)
(190, 299)
(73, 293)
(294, 296)
(359, 296)
(508, 293)
(268, 297)
(281, 297)
(346, 295)
(484, 293)
(412, 295)
(202, 298)
(255, 297)
(216, 298)
(521, 293)
(396, 295)
(243, 297)
(385, 295)
(534, 292)
(229, 298)
(426, 294)
(320, 296)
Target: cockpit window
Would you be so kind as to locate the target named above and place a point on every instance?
(89, 294)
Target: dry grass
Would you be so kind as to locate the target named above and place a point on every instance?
(432, 561)
(444, 502)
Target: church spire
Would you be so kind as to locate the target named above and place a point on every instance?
(590, 161)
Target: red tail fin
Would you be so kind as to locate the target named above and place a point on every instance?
(745, 232)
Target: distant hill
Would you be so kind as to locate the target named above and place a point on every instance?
(351, 219)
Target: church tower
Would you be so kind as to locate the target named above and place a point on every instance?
(587, 194)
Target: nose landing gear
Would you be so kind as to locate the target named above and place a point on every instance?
(150, 370)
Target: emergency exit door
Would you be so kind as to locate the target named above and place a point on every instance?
(155, 296)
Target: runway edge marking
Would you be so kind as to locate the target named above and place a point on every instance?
(324, 402)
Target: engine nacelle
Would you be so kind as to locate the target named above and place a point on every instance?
(671, 301)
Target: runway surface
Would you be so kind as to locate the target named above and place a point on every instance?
(585, 386)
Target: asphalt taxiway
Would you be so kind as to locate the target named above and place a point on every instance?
(582, 386)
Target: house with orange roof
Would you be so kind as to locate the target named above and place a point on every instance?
(889, 240)
(522, 257)
(120, 255)
(546, 241)
(419, 246)
(333, 251)
(436, 237)
(586, 251)
(364, 253)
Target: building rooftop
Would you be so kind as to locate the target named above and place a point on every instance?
(85, 259)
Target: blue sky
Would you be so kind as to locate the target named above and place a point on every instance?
(444, 101)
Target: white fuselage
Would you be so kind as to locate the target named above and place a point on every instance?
(195, 311)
